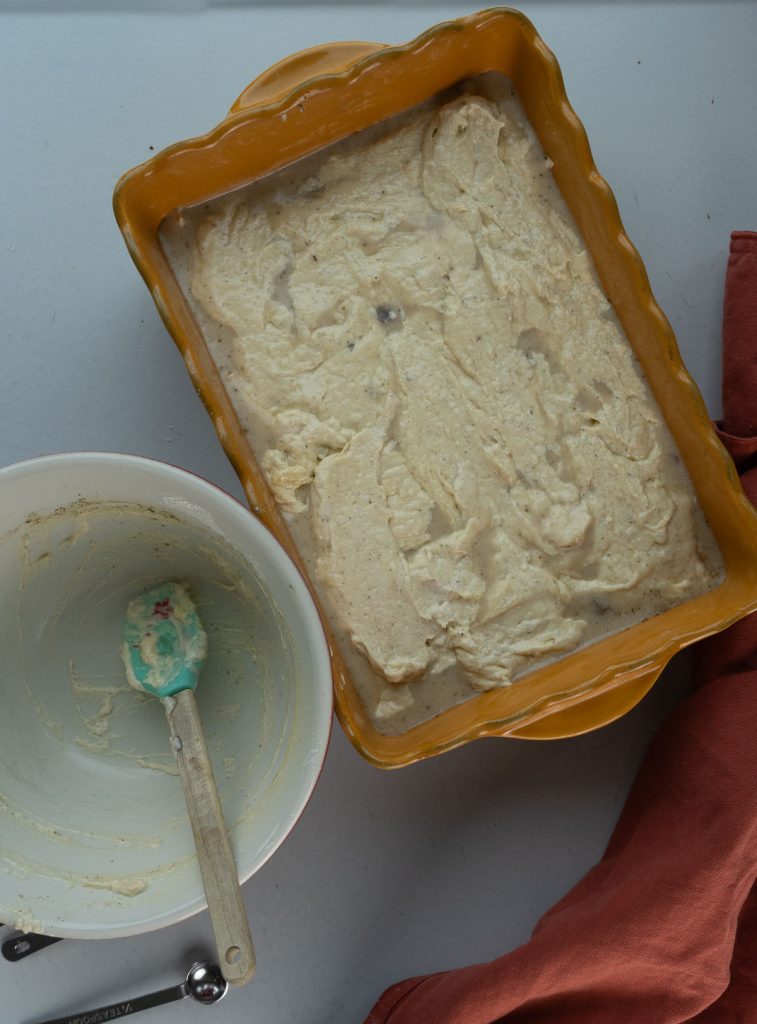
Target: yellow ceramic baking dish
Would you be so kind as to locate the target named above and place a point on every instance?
(325, 94)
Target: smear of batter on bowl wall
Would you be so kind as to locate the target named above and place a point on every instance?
(82, 723)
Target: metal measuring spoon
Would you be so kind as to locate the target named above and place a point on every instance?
(204, 983)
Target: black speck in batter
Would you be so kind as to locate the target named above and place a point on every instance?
(388, 314)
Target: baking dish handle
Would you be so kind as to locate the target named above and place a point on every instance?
(292, 71)
(591, 713)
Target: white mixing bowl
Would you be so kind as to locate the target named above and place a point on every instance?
(94, 837)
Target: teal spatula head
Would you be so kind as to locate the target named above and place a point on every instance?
(164, 646)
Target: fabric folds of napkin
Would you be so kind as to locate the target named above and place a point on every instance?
(664, 929)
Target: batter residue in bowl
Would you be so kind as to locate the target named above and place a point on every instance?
(91, 821)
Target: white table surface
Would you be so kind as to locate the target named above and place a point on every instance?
(452, 861)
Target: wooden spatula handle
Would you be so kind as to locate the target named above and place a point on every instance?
(236, 954)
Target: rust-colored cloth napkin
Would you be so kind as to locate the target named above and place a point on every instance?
(664, 929)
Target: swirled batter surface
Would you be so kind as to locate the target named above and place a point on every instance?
(445, 406)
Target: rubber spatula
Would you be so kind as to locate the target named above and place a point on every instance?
(164, 650)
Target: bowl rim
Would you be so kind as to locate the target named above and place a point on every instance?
(321, 674)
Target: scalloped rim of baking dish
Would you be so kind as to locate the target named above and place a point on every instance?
(315, 98)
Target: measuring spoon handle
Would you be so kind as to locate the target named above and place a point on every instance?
(21, 946)
(126, 1007)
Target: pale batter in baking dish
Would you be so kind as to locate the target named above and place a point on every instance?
(445, 406)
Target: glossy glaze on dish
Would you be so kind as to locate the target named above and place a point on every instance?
(300, 113)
